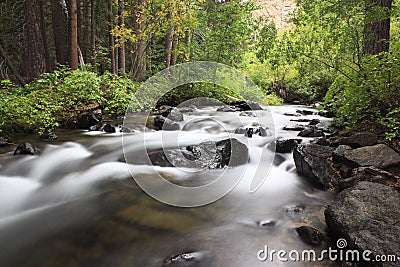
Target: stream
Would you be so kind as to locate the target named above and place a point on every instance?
(77, 205)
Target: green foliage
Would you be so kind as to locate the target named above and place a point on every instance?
(118, 93)
(56, 97)
(371, 95)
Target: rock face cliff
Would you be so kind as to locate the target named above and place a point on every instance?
(276, 10)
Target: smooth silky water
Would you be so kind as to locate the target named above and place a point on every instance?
(77, 205)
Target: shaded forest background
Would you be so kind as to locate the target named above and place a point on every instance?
(59, 56)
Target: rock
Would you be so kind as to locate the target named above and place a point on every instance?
(263, 131)
(357, 140)
(247, 114)
(314, 122)
(212, 155)
(86, 120)
(321, 141)
(326, 127)
(311, 132)
(226, 109)
(162, 123)
(96, 127)
(240, 130)
(284, 145)
(296, 127)
(4, 141)
(370, 174)
(267, 223)
(380, 156)
(300, 120)
(295, 210)
(249, 132)
(293, 115)
(312, 162)
(326, 113)
(310, 235)
(25, 149)
(169, 112)
(48, 137)
(108, 128)
(306, 112)
(232, 153)
(181, 260)
(367, 216)
(245, 106)
(124, 129)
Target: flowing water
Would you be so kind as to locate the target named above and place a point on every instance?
(77, 205)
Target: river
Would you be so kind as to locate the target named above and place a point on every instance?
(77, 205)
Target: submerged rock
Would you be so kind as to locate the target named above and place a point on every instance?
(367, 216)
(312, 162)
(310, 235)
(181, 259)
(25, 149)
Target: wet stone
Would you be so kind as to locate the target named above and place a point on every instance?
(180, 260)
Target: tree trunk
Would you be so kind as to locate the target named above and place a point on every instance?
(121, 48)
(174, 50)
(377, 26)
(111, 41)
(11, 66)
(60, 31)
(44, 36)
(93, 32)
(35, 63)
(73, 36)
(168, 46)
(139, 61)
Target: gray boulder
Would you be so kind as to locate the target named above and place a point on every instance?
(368, 217)
(357, 140)
(312, 161)
(380, 156)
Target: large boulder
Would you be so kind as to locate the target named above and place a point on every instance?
(370, 174)
(25, 149)
(210, 154)
(312, 161)
(169, 112)
(310, 235)
(380, 156)
(285, 145)
(368, 217)
(162, 123)
(357, 140)
(86, 120)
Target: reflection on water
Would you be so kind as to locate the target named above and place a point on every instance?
(77, 205)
